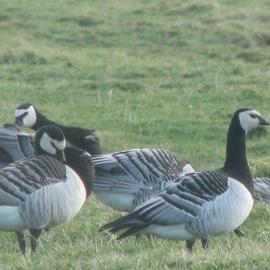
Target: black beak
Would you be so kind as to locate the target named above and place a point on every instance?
(61, 155)
(18, 122)
(263, 122)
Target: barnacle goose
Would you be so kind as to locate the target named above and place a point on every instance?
(35, 193)
(27, 115)
(202, 204)
(126, 179)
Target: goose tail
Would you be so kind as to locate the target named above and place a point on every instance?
(128, 222)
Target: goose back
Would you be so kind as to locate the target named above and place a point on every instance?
(128, 178)
(201, 204)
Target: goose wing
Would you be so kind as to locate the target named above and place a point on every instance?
(76, 133)
(180, 203)
(14, 145)
(138, 169)
(262, 189)
(83, 138)
(21, 178)
(26, 144)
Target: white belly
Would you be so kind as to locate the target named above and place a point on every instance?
(10, 219)
(116, 200)
(224, 214)
(174, 232)
(53, 204)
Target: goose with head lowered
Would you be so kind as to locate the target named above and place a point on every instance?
(46, 190)
(126, 179)
(27, 115)
(202, 204)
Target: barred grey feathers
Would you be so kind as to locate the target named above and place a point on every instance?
(126, 179)
(42, 191)
(24, 176)
(14, 145)
(200, 204)
(262, 190)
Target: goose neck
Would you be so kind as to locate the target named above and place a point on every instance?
(42, 121)
(236, 164)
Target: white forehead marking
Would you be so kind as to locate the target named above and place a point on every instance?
(28, 120)
(19, 112)
(247, 122)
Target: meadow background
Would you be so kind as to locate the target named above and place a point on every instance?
(154, 73)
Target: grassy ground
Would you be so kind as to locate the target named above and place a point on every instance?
(144, 74)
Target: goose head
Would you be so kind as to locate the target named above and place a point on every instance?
(26, 115)
(50, 140)
(250, 119)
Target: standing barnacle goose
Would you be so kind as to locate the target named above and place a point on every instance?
(126, 179)
(27, 115)
(43, 191)
(202, 204)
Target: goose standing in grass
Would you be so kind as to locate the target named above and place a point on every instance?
(43, 191)
(27, 115)
(202, 204)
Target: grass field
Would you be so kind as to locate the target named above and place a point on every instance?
(155, 73)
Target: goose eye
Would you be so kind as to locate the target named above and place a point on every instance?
(53, 145)
(22, 115)
(252, 115)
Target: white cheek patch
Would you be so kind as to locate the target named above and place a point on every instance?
(30, 118)
(59, 145)
(247, 122)
(45, 144)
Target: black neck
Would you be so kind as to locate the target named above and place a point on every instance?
(82, 166)
(236, 164)
(42, 121)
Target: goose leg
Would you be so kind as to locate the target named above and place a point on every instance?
(204, 242)
(238, 231)
(21, 241)
(34, 235)
(190, 244)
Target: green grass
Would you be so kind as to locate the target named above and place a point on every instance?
(154, 73)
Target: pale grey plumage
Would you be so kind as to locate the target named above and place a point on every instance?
(201, 204)
(126, 179)
(42, 191)
(262, 190)
(14, 145)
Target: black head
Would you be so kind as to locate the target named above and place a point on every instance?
(50, 140)
(249, 119)
(26, 115)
